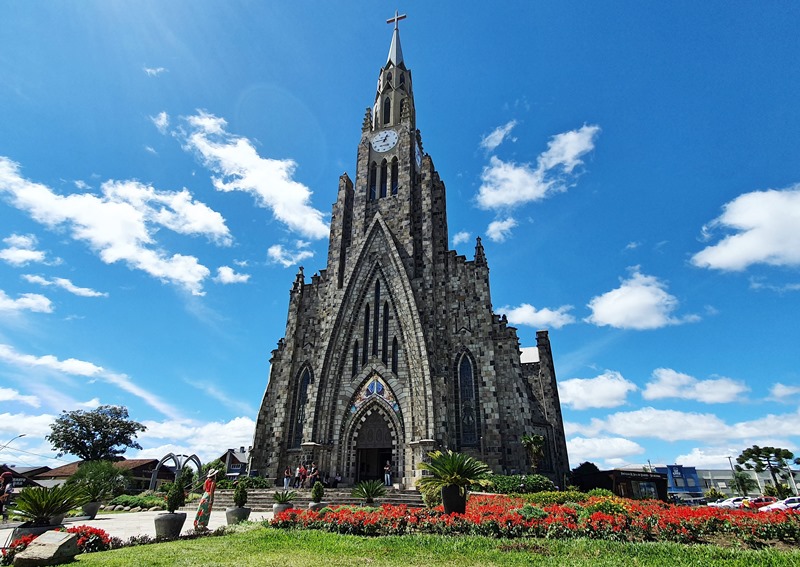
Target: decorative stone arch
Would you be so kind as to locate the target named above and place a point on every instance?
(366, 413)
(180, 461)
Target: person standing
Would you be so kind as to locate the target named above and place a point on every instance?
(287, 477)
(206, 501)
(5, 493)
(387, 474)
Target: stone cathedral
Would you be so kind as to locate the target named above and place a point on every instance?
(393, 350)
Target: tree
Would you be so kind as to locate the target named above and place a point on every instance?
(586, 467)
(100, 479)
(760, 459)
(534, 445)
(101, 434)
(744, 483)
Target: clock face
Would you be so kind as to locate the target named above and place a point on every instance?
(384, 141)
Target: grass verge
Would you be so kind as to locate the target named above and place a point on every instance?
(269, 546)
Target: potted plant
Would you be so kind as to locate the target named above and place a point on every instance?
(453, 473)
(45, 508)
(368, 491)
(317, 493)
(283, 501)
(169, 525)
(238, 513)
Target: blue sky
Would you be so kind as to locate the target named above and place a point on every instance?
(633, 169)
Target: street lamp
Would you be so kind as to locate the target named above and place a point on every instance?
(12, 440)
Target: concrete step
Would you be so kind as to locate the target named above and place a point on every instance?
(261, 500)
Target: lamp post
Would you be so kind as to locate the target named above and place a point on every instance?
(10, 441)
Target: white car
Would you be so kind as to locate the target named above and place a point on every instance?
(791, 503)
(735, 502)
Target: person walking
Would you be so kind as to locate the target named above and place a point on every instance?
(206, 501)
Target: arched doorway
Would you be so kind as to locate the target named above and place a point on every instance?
(374, 446)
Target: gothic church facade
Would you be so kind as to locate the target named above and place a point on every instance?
(393, 350)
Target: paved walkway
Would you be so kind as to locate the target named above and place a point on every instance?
(128, 524)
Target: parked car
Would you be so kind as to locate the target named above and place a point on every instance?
(734, 502)
(791, 503)
(759, 502)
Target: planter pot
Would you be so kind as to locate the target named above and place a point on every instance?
(317, 505)
(278, 508)
(90, 509)
(57, 520)
(169, 526)
(25, 529)
(399, 486)
(236, 515)
(453, 500)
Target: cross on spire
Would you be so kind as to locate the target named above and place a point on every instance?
(397, 18)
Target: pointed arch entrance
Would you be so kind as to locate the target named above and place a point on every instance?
(373, 432)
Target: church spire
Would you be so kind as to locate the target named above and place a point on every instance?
(395, 52)
(480, 256)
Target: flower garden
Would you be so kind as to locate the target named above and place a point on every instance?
(598, 517)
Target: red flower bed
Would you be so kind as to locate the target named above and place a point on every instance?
(598, 517)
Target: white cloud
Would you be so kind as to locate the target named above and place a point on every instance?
(75, 367)
(279, 255)
(21, 250)
(607, 390)
(640, 303)
(120, 224)
(767, 226)
(460, 238)
(240, 168)
(226, 275)
(499, 230)
(709, 457)
(161, 120)
(582, 449)
(496, 137)
(11, 395)
(207, 440)
(507, 184)
(527, 314)
(780, 392)
(668, 383)
(90, 404)
(34, 426)
(64, 284)
(154, 71)
(222, 397)
(25, 302)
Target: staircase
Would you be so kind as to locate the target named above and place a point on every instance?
(261, 500)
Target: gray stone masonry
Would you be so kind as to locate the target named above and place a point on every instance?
(393, 349)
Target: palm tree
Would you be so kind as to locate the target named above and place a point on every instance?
(534, 445)
(453, 473)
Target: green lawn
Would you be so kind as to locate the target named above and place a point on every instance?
(268, 546)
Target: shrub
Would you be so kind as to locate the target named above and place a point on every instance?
(714, 495)
(369, 490)
(240, 495)
(284, 496)
(143, 500)
(602, 492)
(552, 497)
(520, 484)
(16, 546)
(91, 539)
(317, 492)
(431, 496)
(39, 504)
(99, 480)
(175, 498)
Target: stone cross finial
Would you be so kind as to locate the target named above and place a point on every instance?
(397, 18)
